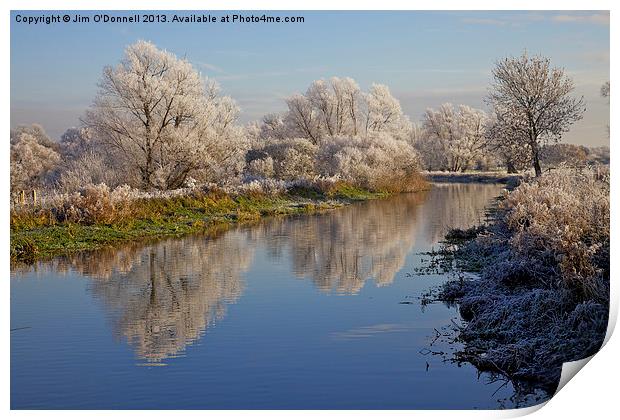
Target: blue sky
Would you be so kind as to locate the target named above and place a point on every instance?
(426, 58)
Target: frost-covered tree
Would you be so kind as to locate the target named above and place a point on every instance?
(605, 90)
(164, 119)
(532, 100)
(569, 154)
(86, 160)
(598, 155)
(433, 154)
(328, 108)
(38, 132)
(502, 142)
(301, 119)
(336, 130)
(384, 114)
(338, 107)
(34, 158)
(454, 138)
(92, 168)
(75, 142)
(273, 126)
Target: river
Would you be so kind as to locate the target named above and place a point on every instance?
(296, 312)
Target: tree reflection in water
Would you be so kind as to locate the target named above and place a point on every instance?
(341, 250)
(160, 297)
(163, 296)
(454, 206)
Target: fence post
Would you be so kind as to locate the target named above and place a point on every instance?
(34, 197)
(22, 197)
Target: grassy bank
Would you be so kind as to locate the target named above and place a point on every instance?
(540, 296)
(94, 220)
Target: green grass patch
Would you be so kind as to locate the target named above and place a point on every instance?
(38, 235)
(353, 193)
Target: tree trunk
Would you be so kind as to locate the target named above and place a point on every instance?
(537, 169)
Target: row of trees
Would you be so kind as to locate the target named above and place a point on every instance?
(336, 129)
(157, 124)
(531, 107)
(337, 108)
(461, 138)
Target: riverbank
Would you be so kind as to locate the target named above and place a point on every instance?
(540, 296)
(511, 180)
(97, 218)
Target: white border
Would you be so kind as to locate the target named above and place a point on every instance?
(592, 395)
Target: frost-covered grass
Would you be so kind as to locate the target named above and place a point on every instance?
(97, 216)
(542, 294)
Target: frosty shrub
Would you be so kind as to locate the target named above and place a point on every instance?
(542, 296)
(377, 162)
(94, 204)
(563, 219)
(269, 187)
(322, 184)
(34, 157)
(289, 159)
(91, 168)
(90, 205)
(433, 153)
(262, 168)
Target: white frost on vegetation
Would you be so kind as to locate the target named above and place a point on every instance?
(542, 297)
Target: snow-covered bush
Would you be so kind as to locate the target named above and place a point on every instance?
(94, 204)
(377, 162)
(262, 168)
(561, 222)
(322, 184)
(90, 205)
(91, 168)
(285, 159)
(34, 158)
(269, 187)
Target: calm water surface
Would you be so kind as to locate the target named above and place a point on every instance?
(298, 312)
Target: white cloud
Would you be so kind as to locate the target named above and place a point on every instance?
(594, 18)
(481, 21)
(506, 20)
(597, 18)
(212, 67)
